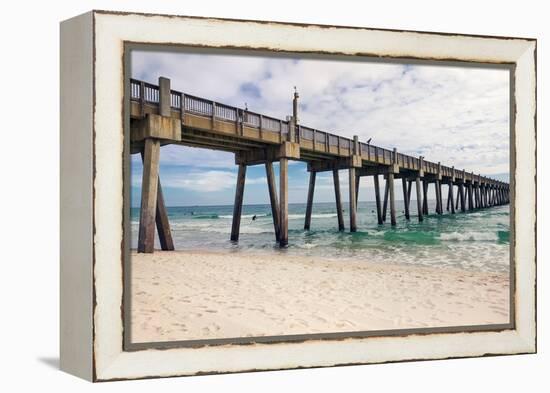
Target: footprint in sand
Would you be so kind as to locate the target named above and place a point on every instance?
(180, 326)
(429, 304)
(320, 319)
(344, 324)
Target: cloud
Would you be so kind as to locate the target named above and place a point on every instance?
(206, 181)
(250, 89)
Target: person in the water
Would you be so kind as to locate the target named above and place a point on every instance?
(254, 217)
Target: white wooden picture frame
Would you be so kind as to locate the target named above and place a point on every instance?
(92, 194)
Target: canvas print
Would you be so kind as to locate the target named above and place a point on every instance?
(275, 197)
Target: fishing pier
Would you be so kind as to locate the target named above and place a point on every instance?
(160, 116)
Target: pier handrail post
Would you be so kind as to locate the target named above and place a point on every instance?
(213, 117)
(142, 98)
(294, 126)
(164, 96)
(182, 107)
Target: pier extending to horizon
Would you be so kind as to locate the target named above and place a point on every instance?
(160, 116)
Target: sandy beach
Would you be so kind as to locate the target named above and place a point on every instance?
(187, 295)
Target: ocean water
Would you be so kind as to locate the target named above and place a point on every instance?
(477, 240)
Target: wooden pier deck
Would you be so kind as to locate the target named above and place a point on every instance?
(159, 116)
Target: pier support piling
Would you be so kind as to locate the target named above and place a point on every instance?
(149, 190)
(406, 195)
(270, 174)
(425, 197)
(470, 197)
(163, 225)
(377, 197)
(238, 205)
(283, 190)
(338, 197)
(462, 198)
(439, 197)
(161, 219)
(419, 200)
(352, 200)
(392, 199)
(386, 194)
(309, 205)
(357, 180)
(451, 198)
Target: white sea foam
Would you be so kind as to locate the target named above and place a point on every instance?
(213, 228)
(307, 245)
(320, 215)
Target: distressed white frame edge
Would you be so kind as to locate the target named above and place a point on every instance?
(76, 209)
(111, 30)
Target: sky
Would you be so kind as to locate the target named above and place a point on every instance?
(456, 115)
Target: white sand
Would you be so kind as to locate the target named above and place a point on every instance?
(200, 295)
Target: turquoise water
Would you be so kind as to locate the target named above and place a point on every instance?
(477, 240)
